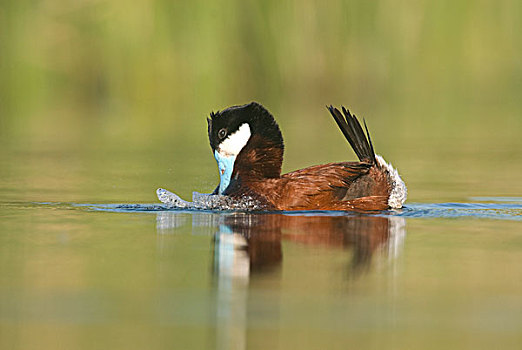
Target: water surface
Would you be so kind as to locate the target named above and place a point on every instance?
(84, 262)
(137, 275)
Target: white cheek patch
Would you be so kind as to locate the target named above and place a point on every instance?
(234, 143)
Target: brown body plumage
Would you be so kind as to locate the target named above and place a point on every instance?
(364, 185)
(334, 186)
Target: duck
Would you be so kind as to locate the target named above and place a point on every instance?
(248, 146)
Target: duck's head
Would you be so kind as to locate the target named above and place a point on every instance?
(246, 142)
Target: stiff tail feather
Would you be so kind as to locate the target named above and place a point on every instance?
(354, 134)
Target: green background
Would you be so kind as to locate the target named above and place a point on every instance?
(439, 83)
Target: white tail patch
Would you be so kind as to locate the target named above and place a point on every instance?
(235, 142)
(399, 192)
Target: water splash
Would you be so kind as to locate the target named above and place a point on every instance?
(202, 201)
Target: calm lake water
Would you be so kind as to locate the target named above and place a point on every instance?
(78, 270)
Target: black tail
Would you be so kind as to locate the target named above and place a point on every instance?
(352, 130)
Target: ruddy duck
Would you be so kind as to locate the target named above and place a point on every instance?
(248, 147)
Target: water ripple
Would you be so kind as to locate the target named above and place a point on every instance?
(492, 210)
(456, 210)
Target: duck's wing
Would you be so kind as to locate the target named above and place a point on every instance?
(318, 186)
(329, 175)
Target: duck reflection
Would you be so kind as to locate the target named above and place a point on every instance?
(251, 243)
(248, 245)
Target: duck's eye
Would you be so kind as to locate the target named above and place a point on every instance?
(222, 133)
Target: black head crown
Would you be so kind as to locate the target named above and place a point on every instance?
(261, 123)
(248, 136)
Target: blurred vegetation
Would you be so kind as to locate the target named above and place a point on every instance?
(436, 81)
(153, 67)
